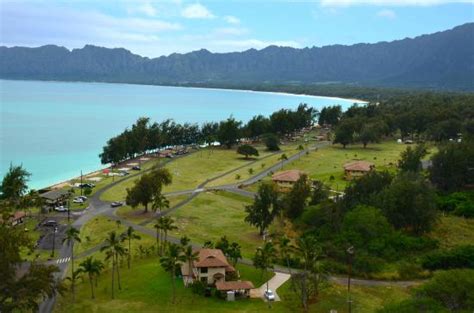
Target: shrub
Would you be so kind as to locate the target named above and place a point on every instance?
(459, 257)
(410, 270)
(198, 287)
(415, 305)
(454, 289)
(365, 264)
(460, 203)
(271, 141)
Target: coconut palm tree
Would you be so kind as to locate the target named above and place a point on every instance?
(72, 236)
(159, 203)
(92, 268)
(168, 225)
(170, 262)
(190, 256)
(265, 257)
(114, 249)
(282, 158)
(129, 235)
(159, 229)
(285, 248)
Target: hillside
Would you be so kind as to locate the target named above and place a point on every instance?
(443, 60)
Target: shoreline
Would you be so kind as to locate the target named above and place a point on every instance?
(283, 93)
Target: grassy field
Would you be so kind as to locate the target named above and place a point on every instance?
(137, 215)
(147, 288)
(454, 231)
(213, 215)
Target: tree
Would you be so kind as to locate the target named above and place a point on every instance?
(257, 126)
(453, 166)
(296, 200)
(184, 241)
(264, 258)
(271, 141)
(114, 249)
(247, 150)
(149, 188)
(410, 159)
(170, 262)
(129, 236)
(370, 132)
(160, 202)
(264, 208)
(72, 236)
(22, 293)
(282, 158)
(409, 203)
(366, 228)
(14, 184)
(234, 253)
(190, 257)
(158, 226)
(312, 278)
(92, 268)
(285, 248)
(229, 132)
(167, 225)
(344, 134)
(209, 132)
(223, 244)
(330, 115)
(320, 193)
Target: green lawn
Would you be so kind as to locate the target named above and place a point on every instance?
(454, 231)
(137, 215)
(212, 215)
(147, 288)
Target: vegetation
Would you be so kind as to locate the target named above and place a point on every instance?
(265, 207)
(247, 150)
(72, 236)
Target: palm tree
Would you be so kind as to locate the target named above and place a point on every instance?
(114, 249)
(265, 257)
(168, 225)
(190, 256)
(72, 236)
(159, 228)
(300, 148)
(129, 235)
(285, 247)
(184, 241)
(159, 203)
(170, 262)
(92, 268)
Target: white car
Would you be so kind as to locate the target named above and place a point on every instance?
(61, 209)
(78, 200)
(269, 295)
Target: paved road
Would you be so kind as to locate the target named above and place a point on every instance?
(100, 207)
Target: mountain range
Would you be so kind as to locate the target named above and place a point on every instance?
(442, 60)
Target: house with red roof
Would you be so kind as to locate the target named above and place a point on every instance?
(286, 179)
(357, 168)
(212, 266)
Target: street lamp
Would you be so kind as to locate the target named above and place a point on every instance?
(54, 240)
(350, 254)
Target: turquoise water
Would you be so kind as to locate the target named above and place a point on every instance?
(57, 129)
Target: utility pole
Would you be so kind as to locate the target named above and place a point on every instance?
(81, 182)
(350, 254)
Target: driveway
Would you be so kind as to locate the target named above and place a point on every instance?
(273, 284)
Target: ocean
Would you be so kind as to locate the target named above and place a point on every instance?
(57, 129)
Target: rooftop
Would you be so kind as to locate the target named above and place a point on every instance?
(233, 285)
(359, 166)
(287, 176)
(211, 258)
(55, 194)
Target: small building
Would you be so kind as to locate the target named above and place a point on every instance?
(212, 266)
(234, 288)
(16, 218)
(55, 197)
(286, 179)
(357, 168)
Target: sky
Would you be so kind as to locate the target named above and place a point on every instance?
(154, 28)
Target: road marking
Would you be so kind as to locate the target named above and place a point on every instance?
(63, 260)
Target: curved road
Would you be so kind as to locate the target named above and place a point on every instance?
(100, 207)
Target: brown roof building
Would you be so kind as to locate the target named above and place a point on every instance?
(357, 169)
(286, 179)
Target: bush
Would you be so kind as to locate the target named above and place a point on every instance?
(454, 289)
(459, 257)
(405, 244)
(415, 305)
(198, 287)
(410, 270)
(365, 264)
(459, 203)
(271, 141)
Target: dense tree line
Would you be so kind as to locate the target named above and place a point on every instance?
(146, 136)
(434, 117)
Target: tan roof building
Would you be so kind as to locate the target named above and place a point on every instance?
(357, 169)
(286, 179)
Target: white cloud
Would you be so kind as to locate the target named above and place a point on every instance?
(196, 11)
(231, 19)
(389, 14)
(147, 9)
(346, 3)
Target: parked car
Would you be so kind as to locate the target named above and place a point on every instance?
(116, 204)
(78, 200)
(87, 185)
(61, 208)
(50, 223)
(124, 173)
(136, 168)
(269, 295)
(82, 197)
